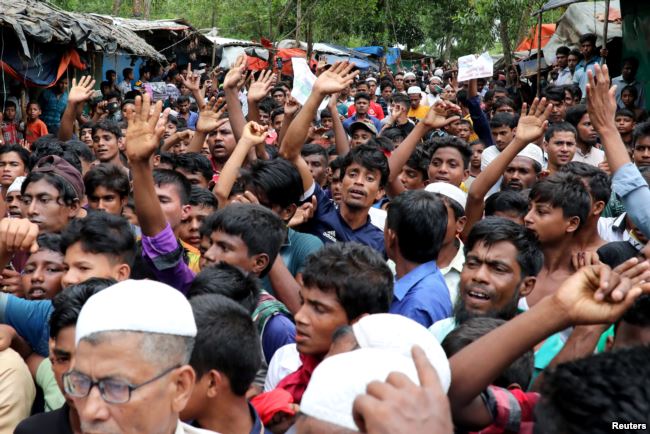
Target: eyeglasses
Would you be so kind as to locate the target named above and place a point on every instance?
(112, 391)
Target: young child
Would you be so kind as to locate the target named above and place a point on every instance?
(625, 122)
(11, 134)
(34, 128)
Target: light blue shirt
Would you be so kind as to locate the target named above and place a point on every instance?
(422, 295)
(631, 187)
(580, 74)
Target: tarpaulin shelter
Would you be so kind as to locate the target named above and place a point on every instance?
(42, 41)
(392, 57)
(530, 41)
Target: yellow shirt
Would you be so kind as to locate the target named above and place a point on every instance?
(419, 113)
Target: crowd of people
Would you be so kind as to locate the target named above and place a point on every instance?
(197, 252)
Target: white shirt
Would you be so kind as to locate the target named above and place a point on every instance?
(613, 229)
(183, 428)
(594, 157)
(451, 273)
(378, 217)
(488, 156)
(285, 361)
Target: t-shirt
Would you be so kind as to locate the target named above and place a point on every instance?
(594, 157)
(30, 318)
(374, 110)
(418, 113)
(328, 225)
(34, 130)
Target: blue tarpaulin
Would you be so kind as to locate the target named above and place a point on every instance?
(377, 51)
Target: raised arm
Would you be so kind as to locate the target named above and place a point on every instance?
(291, 107)
(593, 295)
(234, 81)
(479, 119)
(340, 136)
(529, 129)
(78, 94)
(253, 134)
(193, 83)
(257, 91)
(210, 119)
(142, 138)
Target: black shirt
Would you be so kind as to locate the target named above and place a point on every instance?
(53, 422)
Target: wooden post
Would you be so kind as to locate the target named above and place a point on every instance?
(539, 54)
(605, 29)
(214, 45)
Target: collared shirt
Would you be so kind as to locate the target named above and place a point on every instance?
(52, 422)
(633, 190)
(164, 254)
(183, 428)
(593, 157)
(452, 272)
(191, 120)
(422, 295)
(52, 105)
(564, 77)
(328, 225)
(620, 84)
(125, 87)
(580, 74)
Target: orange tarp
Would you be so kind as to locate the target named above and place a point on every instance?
(530, 42)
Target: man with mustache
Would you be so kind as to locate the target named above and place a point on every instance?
(586, 137)
(560, 145)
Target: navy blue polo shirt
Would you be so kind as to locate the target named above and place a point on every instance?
(328, 225)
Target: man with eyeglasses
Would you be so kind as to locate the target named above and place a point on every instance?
(130, 373)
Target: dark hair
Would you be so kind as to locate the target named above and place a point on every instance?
(9, 104)
(44, 146)
(226, 341)
(309, 149)
(501, 101)
(559, 127)
(632, 89)
(419, 219)
(126, 71)
(566, 191)
(419, 160)
(171, 177)
(641, 130)
(588, 37)
(586, 395)
(67, 304)
(33, 102)
(23, 154)
(554, 93)
(506, 201)
(503, 120)
(113, 94)
(67, 194)
(194, 162)
(276, 182)
(361, 95)
(259, 228)
(229, 281)
(370, 158)
(325, 113)
(623, 112)
(278, 89)
(267, 105)
(576, 52)
(109, 176)
(519, 372)
(564, 50)
(596, 180)
(110, 126)
(451, 142)
(393, 133)
(492, 230)
(574, 114)
(82, 150)
(203, 197)
(102, 233)
(277, 112)
(574, 90)
(49, 241)
(358, 275)
(400, 98)
(182, 99)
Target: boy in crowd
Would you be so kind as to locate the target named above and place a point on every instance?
(477, 147)
(415, 229)
(400, 105)
(203, 204)
(555, 96)
(641, 155)
(10, 133)
(586, 137)
(107, 188)
(107, 137)
(559, 207)
(449, 160)
(560, 145)
(415, 172)
(195, 167)
(34, 127)
(226, 357)
(503, 127)
(316, 158)
(14, 162)
(625, 123)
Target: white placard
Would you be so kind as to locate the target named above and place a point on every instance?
(303, 81)
(471, 66)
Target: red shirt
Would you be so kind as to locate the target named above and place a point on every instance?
(34, 130)
(374, 110)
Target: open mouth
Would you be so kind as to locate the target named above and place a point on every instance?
(37, 293)
(357, 194)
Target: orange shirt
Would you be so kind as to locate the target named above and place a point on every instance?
(34, 130)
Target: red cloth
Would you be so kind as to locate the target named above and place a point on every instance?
(269, 403)
(374, 110)
(34, 130)
(296, 383)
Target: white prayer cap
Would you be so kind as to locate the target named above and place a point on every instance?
(371, 78)
(144, 306)
(438, 72)
(533, 152)
(399, 334)
(338, 380)
(16, 185)
(451, 191)
(435, 79)
(414, 90)
(409, 75)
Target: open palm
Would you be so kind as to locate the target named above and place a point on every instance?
(532, 126)
(82, 91)
(142, 136)
(211, 117)
(335, 79)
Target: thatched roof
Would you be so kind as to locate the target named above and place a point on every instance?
(47, 24)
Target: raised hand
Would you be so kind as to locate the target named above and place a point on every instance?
(193, 81)
(534, 122)
(254, 133)
(261, 87)
(596, 294)
(18, 235)
(82, 91)
(236, 75)
(438, 115)
(335, 79)
(601, 99)
(304, 213)
(211, 117)
(142, 136)
(291, 106)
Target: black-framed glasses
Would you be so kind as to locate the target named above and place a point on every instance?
(113, 391)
